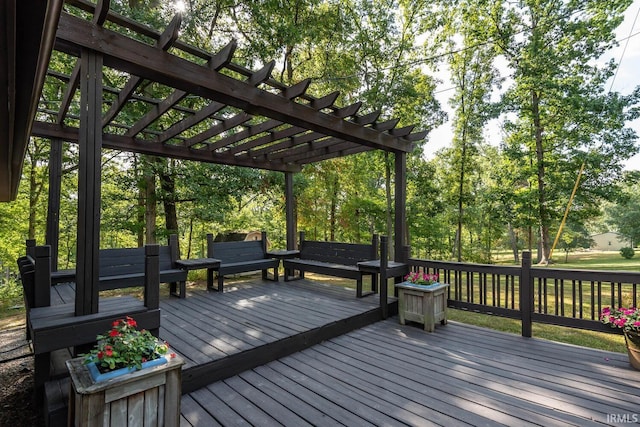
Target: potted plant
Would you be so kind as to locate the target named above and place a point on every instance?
(129, 376)
(627, 319)
(123, 349)
(419, 278)
(422, 299)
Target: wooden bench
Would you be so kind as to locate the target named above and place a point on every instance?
(124, 267)
(334, 259)
(56, 327)
(240, 257)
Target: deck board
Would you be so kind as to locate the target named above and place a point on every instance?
(390, 374)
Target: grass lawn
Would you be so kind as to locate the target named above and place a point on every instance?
(584, 260)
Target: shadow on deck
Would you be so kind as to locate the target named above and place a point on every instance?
(388, 374)
(252, 323)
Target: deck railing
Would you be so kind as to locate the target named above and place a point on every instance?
(573, 298)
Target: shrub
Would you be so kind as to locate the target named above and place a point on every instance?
(10, 292)
(627, 253)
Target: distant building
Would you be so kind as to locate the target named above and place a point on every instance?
(609, 241)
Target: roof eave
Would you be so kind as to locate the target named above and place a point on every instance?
(26, 42)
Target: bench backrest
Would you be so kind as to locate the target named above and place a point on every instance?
(337, 252)
(26, 266)
(226, 252)
(119, 261)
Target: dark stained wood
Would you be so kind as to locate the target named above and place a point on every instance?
(333, 259)
(89, 184)
(240, 257)
(290, 211)
(25, 44)
(145, 61)
(458, 375)
(400, 201)
(52, 234)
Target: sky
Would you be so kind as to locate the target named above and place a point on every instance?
(626, 79)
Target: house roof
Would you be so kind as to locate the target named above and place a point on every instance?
(211, 109)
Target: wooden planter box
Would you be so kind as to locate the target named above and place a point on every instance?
(150, 396)
(422, 304)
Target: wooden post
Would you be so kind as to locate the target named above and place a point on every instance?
(526, 294)
(400, 224)
(52, 236)
(89, 182)
(290, 212)
(210, 255)
(174, 247)
(152, 279)
(384, 245)
(42, 277)
(31, 248)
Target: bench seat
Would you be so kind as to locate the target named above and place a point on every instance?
(240, 257)
(244, 266)
(333, 259)
(124, 268)
(56, 327)
(326, 268)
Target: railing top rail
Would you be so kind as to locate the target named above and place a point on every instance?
(586, 275)
(462, 266)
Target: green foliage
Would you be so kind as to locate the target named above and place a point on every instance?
(10, 292)
(627, 252)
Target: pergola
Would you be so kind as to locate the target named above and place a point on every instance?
(219, 112)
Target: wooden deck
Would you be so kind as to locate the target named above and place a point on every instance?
(304, 353)
(388, 374)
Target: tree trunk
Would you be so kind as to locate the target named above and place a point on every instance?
(168, 186)
(150, 211)
(35, 187)
(543, 213)
(514, 243)
(334, 208)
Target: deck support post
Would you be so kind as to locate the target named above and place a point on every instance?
(400, 225)
(52, 235)
(526, 294)
(89, 182)
(384, 258)
(290, 212)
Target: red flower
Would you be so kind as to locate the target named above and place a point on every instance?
(100, 355)
(172, 355)
(109, 352)
(131, 322)
(115, 323)
(114, 333)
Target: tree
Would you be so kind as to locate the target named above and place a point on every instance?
(561, 113)
(473, 74)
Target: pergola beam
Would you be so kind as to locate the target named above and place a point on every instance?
(123, 143)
